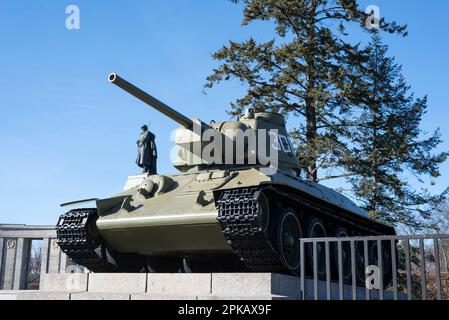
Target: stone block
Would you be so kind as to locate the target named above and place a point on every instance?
(54, 257)
(100, 296)
(7, 272)
(242, 297)
(8, 294)
(64, 282)
(162, 297)
(40, 295)
(255, 284)
(179, 283)
(117, 282)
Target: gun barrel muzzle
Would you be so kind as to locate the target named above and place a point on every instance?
(150, 100)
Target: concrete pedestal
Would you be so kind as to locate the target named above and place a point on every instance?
(179, 286)
(134, 181)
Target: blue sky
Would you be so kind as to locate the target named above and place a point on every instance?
(66, 134)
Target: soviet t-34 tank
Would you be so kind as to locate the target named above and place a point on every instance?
(215, 215)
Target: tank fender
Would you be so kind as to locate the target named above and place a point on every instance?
(106, 205)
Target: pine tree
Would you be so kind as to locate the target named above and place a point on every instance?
(387, 147)
(306, 71)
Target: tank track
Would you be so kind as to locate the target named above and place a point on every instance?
(79, 245)
(238, 212)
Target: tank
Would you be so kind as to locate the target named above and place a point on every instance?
(215, 216)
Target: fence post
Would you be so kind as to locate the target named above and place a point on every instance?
(408, 269)
(315, 271)
(394, 269)
(328, 271)
(423, 269)
(353, 271)
(436, 251)
(340, 272)
(366, 261)
(303, 287)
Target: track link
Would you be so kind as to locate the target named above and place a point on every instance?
(76, 241)
(238, 214)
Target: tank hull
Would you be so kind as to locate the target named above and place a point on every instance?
(196, 234)
(214, 219)
(184, 221)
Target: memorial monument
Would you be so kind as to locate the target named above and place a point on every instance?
(147, 151)
(224, 211)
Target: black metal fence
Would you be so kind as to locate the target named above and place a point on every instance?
(375, 268)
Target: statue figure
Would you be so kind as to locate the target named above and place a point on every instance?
(146, 151)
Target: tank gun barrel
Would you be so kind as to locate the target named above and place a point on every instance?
(150, 100)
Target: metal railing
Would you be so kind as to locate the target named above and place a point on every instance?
(375, 268)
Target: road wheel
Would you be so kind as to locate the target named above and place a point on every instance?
(317, 230)
(360, 262)
(288, 231)
(386, 260)
(345, 256)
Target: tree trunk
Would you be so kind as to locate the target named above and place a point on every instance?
(311, 117)
(375, 140)
(311, 133)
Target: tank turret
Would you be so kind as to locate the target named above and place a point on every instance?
(256, 139)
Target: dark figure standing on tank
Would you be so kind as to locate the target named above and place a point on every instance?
(146, 151)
